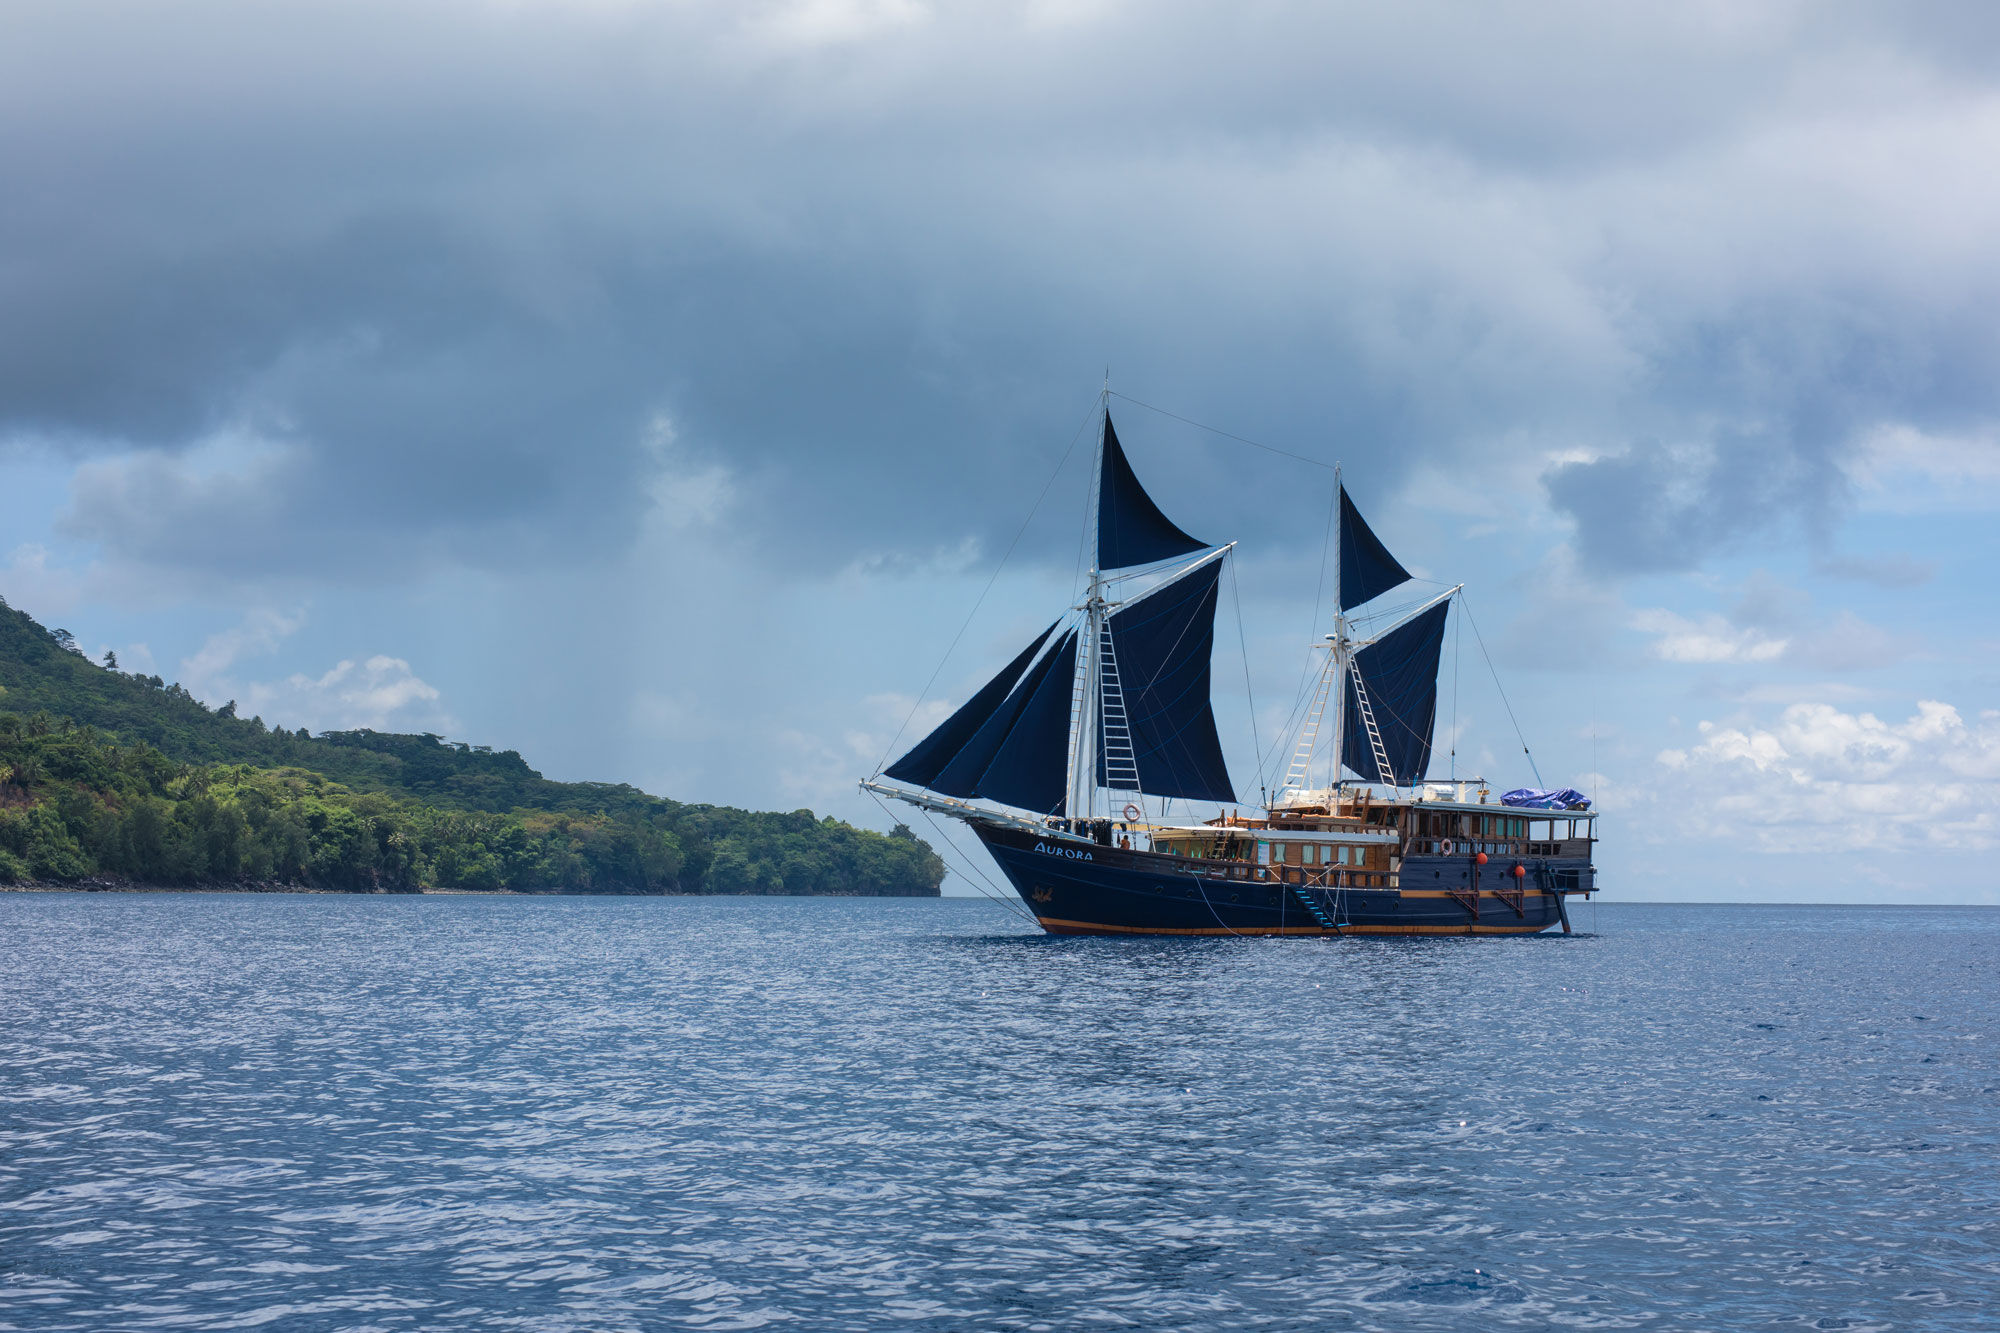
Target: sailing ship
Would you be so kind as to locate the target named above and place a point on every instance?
(1068, 763)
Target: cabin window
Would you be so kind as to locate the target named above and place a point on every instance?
(1263, 853)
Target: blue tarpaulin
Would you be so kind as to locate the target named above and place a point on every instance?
(1568, 798)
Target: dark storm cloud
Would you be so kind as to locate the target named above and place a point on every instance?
(438, 270)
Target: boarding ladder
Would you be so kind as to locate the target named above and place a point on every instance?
(1313, 908)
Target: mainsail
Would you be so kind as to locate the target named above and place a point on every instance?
(1161, 645)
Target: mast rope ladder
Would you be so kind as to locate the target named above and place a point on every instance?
(1300, 772)
(1121, 761)
(1387, 774)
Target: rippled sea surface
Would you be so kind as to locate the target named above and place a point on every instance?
(456, 1113)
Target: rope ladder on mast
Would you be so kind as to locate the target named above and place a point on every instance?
(1367, 711)
(1121, 761)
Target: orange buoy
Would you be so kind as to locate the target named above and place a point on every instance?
(1481, 858)
(1520, 871)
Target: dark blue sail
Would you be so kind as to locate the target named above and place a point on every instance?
(1131, 530)
(928, 757)
(1367, 570)
(961, 776)
(1031, 768)
(1162, 645)
(1399, 671)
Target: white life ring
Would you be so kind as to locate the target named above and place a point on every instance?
(1132, 813)
(1444, 848)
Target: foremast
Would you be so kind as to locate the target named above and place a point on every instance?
(1120, 702)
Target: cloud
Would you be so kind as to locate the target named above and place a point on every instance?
(1901, 469)
(1818, 779)
(31, 581)
(1709, 640)
(448, 263)
(1891, 570)
(1770, 622)
(381, 693)
(259, 634)
(828, 22)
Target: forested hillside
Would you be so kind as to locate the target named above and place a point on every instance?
(104, 773)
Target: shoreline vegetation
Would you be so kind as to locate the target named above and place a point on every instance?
(100, 884)
(122, 782)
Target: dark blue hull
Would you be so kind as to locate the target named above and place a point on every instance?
(1079, 888)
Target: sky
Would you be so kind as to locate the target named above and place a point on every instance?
(654, 387)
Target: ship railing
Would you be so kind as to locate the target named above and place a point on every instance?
(1321, 877)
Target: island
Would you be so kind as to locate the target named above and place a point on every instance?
(113, 779)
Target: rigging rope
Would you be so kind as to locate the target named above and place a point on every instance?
(1213, 430)
(1480, 639)
(981, 599)
(1202, 889)
(975, 877)
(1244, 643)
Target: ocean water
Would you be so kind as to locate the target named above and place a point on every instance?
(222, 1111)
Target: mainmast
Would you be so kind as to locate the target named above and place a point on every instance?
(1335, 684)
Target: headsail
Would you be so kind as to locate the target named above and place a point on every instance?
(994, 762)
(1399, 672)
(928, 757)
(1367, 570)
(1131, 530)
(1032, 768)
(1161, 645)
